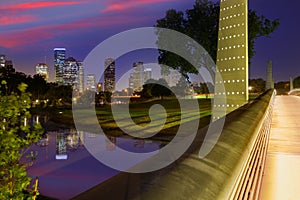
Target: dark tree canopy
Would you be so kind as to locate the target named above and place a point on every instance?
(37, 86)
(258, 85)
(156, 88)
(201, 23)
(296, 82)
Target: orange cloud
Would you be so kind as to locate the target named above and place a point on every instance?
(35, 5)
(123, 5)
(9, 20)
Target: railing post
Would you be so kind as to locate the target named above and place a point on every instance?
(35, 191)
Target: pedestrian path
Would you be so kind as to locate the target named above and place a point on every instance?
(281, 180)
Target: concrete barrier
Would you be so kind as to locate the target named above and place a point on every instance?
(230, 171)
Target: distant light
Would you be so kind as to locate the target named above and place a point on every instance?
(60, 112)
(59, 49)
(61, 157)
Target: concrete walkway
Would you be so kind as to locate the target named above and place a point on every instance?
(281, 180)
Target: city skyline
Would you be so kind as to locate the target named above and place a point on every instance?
(27, 38)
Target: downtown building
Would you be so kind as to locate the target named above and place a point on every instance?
(2, 60)
(68, 71)
(80, 77)
(91, 82)
(42, 70)
(172, 77)
(139, 76)
(5, 63)
(59, 62)
(71, 73)
(109, 75)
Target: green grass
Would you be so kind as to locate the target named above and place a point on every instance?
(138, 112)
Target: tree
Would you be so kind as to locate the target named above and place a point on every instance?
(204, 89)
(258, 85)
(201, 23)
(156, 88)
(161, 89)
(15, 137)
(182, 87)
(37, 86)
(296, 82)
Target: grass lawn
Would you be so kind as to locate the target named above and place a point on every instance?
(62, 117)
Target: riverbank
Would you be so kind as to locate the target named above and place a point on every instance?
(58, 118)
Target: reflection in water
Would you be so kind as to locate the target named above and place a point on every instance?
(64, 166)
(61, 147)
(69, 140)
(139, 143)
(111, 143)
(73, 141)
(44, 141)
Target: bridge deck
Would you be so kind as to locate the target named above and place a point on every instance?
(281, 180)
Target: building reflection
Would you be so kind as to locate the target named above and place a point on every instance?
(61, 147)
(73, 140)
(111, 143)
(139, 143)
(81, 137)
(44, 141)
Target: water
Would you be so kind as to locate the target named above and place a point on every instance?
(70, 169)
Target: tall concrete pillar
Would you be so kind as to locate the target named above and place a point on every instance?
(291, 83)
(269, 81)
(232, 56)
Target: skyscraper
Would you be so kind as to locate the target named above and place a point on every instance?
(59, 61)
(232, 57)
(136, 79)
(2, 60)
(70, 73)
(147, 74)
(175, 77)
(5, 63)
(80, 77)
(42, 70)
(172, 77)
(91, 82)
(109, 75)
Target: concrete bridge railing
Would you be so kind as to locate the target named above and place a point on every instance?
(249, 176)
(232, 170)
(295, 91)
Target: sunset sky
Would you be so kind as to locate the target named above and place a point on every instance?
(30, 29)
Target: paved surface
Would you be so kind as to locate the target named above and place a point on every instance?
(281, 180)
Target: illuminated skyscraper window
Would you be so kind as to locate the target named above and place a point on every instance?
(59, 61)
(80, 77)
(2, 60)
(91, 82)
(70, 72)
(109, 75)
